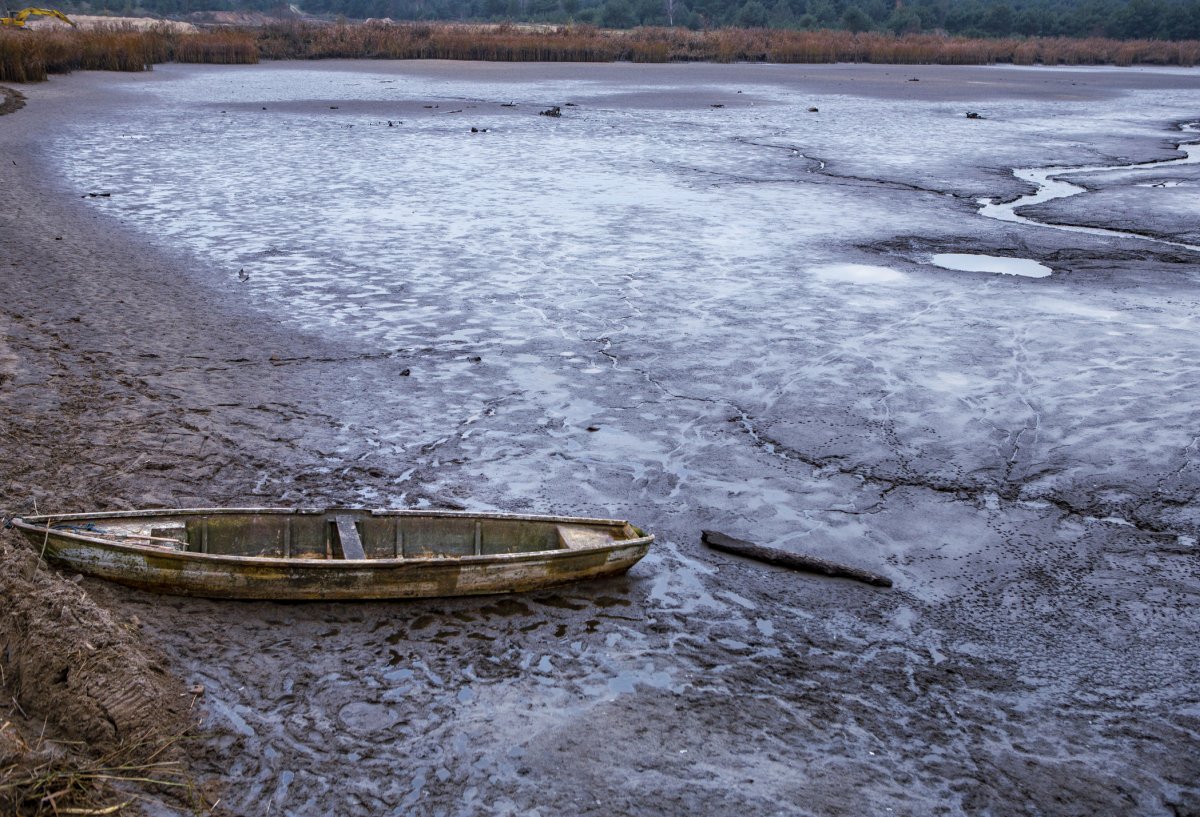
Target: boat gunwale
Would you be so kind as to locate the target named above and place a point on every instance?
(500, 515)
(25, 524)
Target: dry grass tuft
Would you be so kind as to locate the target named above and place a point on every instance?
(89, 716)
(44, 778)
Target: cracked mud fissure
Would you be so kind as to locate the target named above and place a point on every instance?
(989, 445)
(1057, 183)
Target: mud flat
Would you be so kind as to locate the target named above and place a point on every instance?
(741, 301)
(1121, 200)
(110, 373)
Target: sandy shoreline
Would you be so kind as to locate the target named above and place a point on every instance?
(128, 381)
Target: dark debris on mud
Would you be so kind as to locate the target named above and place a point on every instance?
(11, 100)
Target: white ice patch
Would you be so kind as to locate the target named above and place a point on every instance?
(966, 262)
(858, 274)
(1063, 306)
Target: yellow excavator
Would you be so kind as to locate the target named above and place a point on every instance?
(18, 20)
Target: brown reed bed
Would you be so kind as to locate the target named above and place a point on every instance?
(27, 56)
(32, 55)
(511, 43)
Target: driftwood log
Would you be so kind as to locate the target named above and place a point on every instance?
(796, 561)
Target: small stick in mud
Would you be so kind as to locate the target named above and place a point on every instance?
(796, 561)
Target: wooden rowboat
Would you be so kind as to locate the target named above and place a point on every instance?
(304, 553)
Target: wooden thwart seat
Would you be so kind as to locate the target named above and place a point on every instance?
(352, 547)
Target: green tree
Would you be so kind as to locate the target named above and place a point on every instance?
(542, 9)
(1028, 21)
(823, 12)
(877, 10)
(752, 15)
(687, 18)
(782, 15)
(649, 13)
(904, 21)
(998, 20)
(931, 12)
(1182, 22)
(1140, 19)
(617, 14)
(856, 20)
(1091, 17)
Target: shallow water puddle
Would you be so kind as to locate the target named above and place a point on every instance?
(968, 262)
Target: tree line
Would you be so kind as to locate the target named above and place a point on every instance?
(1116, 19)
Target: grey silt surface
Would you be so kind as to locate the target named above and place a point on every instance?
(741, 300)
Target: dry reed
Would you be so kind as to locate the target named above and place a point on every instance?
(510, 43)
(45, 779)
(32, 55)
(27, 56)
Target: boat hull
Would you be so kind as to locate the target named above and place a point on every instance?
(154, 568)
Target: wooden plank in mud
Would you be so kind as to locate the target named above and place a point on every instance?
(796, 561)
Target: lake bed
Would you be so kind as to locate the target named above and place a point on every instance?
(693, 302)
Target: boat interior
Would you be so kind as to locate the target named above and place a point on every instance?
(350, 534)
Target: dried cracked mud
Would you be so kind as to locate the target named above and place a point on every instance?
(740, 300)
